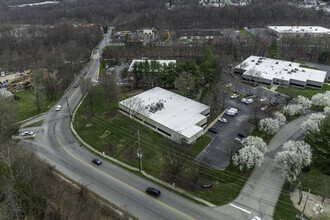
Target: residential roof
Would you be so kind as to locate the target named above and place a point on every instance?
(300, 29)
(179, 114)
(280, 69)
(130, 69)
(5, 93)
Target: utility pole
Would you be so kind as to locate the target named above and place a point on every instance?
(139, 153)
(67, 102)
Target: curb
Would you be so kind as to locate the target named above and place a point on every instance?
(133, 168)
(33, 117)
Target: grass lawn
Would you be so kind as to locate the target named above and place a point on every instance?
(245, 33)
(112, 136)
(26, 104)
(307, 92)
(35, 124)
(285, 209)
(315, 180)
(264, 136)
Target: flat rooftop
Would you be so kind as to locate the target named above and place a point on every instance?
(280, 69)
(179, 114)
(130, 69)
(300, 29)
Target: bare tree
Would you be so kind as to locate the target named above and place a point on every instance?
(38, 85)
(7, 118)
(135, 108)
(109, 89)
(185, 83)
(85, 86)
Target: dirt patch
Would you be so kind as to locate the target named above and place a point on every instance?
(111, 114)
(105, 134)
(89, 125)
(313, 205)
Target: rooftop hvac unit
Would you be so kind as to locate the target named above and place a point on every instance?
(153, 108)
(160, 105)
(257, 63)
(276, 63)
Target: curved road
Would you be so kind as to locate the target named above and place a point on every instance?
(55, 143)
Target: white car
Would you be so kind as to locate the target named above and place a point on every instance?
(263, 108)
(28, 133)
(58, 107)
(234, 96)
(243, 100)
(263, 99)
(229, 85)
(256, 218)
(248, 101)
(223, 120)
(239, 140)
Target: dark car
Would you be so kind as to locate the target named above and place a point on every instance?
(213, 130)
(249, 94)
(97, 161)
(75, 86)
(153, 192)
(241, 135)
(85, 73)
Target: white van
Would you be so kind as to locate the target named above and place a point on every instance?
(230, 112)
(234, 110)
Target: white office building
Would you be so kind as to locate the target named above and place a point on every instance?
(299, 31)
(161, 62)
(267, 71)
(172, 115)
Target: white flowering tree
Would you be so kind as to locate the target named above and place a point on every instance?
(280, 117)
(312, 124)
(256, 142)
(321, 99)
(247, 157)
(292, 109)
(269, 126)
(304, 102)
(289, 162)
(327, 111)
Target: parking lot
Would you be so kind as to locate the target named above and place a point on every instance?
(218, 152)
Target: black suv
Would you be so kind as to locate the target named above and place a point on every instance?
(213, 130)
(241, 135)
(97, 161)
(152, 191)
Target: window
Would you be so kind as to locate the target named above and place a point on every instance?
(164, 132)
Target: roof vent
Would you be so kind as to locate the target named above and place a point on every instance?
(153, 108)
(160, 105)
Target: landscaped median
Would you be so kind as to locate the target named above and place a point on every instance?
(108, 133)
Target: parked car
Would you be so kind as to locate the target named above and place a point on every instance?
(153, 192)
(241, 135)
(213, 130)
(234, 96)
(239, 140)
(273, 103)
(243, 100)
(230, 113)
(97, 161)
(75, 85)
(263, 108)
(223, 120)
(28, 133)
(234, 110)
(249, 94)
(248, 101)
(229, 85)
(263, 99)
(58, 107)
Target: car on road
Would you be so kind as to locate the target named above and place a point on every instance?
(223, 120)
(239, 140)
(273, 103)
(263, 99)
(58, 107)
(241, 135)
(28, 133)
(75, 85)
(213, 130)
(97, 161)
(153, 192)
(256, 218)
(85, 73)
(263, 108)
(234, 96)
